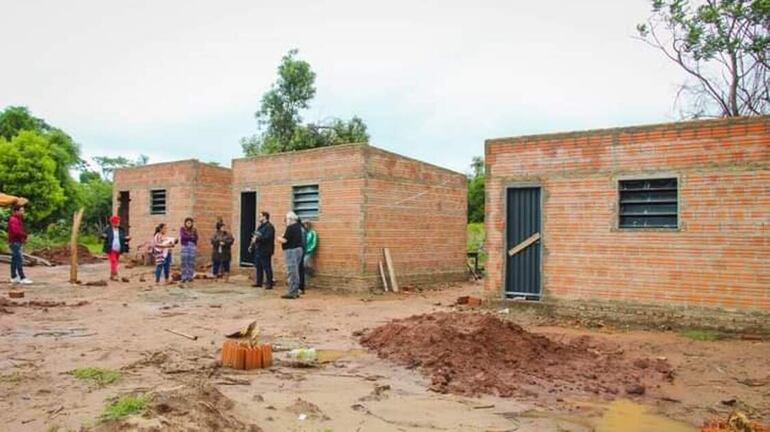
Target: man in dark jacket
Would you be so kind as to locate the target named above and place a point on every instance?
(263, 246)
(115, 243)
(16, 238)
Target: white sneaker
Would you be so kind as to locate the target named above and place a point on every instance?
(25, 281)
(15, 280)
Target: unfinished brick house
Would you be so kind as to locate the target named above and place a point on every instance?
(361, 199)
(663, 214)
(148, 195)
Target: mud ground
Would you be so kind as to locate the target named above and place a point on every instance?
(121, 326)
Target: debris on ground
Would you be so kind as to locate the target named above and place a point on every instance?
(301, 407)
(196, 407)
(40, 303)
(735, 422)
(173, 362)
(16, 294)
(469, 301)
(472, 354)
(60, 255)
(97, 283)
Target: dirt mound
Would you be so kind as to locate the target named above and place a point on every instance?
(199, 407)
(60, 255)
(471, 354)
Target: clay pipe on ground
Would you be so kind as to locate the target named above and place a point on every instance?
(182, 334)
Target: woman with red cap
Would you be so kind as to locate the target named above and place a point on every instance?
(115, 243)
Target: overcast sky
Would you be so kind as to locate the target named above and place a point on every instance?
(181, 79)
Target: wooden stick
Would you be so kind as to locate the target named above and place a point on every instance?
(391, 270)
(382, 275)
(523, 245)
(38, 260)
(182, 334)
(74, 246)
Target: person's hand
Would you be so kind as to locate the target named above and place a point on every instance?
(127, 238)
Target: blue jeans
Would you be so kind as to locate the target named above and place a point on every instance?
(293, 259)
(17, 261)
(165, 266)
(221, 265)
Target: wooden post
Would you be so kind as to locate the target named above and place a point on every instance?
(384, 279)
(391, 270)
(74, 246)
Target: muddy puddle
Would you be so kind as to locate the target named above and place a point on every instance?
(628, 416)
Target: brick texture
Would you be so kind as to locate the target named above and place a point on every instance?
(718, 257)
(193, 189)
(369, 199)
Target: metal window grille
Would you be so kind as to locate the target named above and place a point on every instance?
(158, 202)
(650, 203)
(305, 201)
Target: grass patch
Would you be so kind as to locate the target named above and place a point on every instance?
(475, 241)
(125, 406)
(92, 242)
(98, 375)
(701, 335)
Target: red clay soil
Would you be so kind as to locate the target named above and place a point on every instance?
(472, 354)
(60, 255)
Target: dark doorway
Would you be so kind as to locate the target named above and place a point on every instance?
(248, 225)
(522, 252)
(124, 200)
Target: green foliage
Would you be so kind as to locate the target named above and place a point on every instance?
(125, 406)
(54, 148)
(475, 241)
(280, 119)
(96, 195)
(108, 165)
(701, 335)
(98, 375)
(476, 183)
(723, 45)
(28, 169)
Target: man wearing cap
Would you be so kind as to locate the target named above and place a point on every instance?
(115, 243)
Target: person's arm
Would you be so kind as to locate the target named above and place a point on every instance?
(229, 240)
(282, 239)
(105, 232)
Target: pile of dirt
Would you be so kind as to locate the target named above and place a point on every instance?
(198, 407)
(472, 354)
(60, 255)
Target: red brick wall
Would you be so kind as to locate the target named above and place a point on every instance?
(192, 189)
(719, 256)
(338, 172)
(418, 211)
(212, 201)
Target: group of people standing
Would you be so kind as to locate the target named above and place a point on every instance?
(298, 243)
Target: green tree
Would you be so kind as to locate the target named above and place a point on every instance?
(28, 169)
(476, 182)
(108, 165)
(723, 46)
(279, 116)
(96, 195)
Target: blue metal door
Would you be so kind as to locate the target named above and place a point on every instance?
(522, 252)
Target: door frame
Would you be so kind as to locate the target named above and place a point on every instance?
(522, 185)
(241, 262)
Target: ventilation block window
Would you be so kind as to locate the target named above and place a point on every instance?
(158, 202)
(305, 200)
(651, 203)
